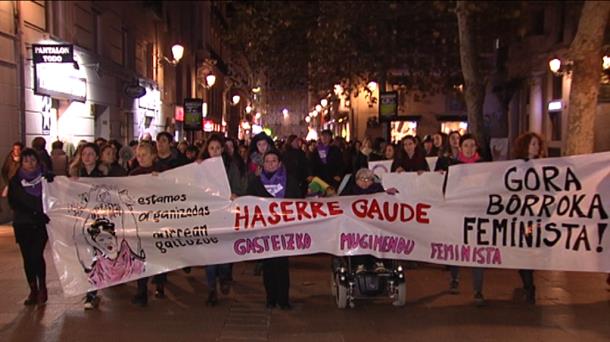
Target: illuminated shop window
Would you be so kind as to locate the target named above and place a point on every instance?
(450, 126)
(400, 129)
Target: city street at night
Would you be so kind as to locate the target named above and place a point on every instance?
(570, 306)
(326, 171)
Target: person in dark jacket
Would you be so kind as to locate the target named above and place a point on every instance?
(86, 163)
(29, 222)
(39, 145)
(221, 273)
(327, 160)
(409, 158)
(259, 145)
(108, 164)
(295, 161)
(364, 155)
(167, 156)
(273, 181)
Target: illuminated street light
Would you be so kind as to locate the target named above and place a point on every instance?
(324, 102)
(555, 65)
(318, 108)
(236, 99)
(248, 109)
(256, 90)
(177, 52)
(285, 112)
(372, 86)
(338, 89)
(307, 119)
(258, 115)
(314, 113)
(210, 80)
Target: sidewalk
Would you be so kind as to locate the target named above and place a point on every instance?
(570, 306)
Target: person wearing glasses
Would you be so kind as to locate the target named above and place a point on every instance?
(364, 184)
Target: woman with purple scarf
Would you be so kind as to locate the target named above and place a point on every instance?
(29, 222)
(274, 182)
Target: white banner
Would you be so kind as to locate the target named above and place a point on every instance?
(380, 167)
(108, 231)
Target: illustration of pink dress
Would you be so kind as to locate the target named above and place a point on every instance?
(107, 271)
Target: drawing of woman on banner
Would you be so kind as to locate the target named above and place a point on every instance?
(104, 233)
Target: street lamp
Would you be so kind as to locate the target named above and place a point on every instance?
(235, 99)
(324, 102)
(209, 81)
(285, 112)
(177, 54)
(318, 108)
(555, 65)
(248, 109)
(372, 86)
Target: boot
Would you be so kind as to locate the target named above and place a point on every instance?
(33, 296)
(42, 295)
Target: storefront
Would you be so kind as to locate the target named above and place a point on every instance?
(450, 123)
(404, 126)
(148, 118)
(57, 107)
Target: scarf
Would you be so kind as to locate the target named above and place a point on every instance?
(31, 181)
(275, 183)
(475, 157)
(323, 152)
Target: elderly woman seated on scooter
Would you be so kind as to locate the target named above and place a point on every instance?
(364, 184)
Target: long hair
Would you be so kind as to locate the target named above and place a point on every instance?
(401, 154)
(522, 143)
(77, 163)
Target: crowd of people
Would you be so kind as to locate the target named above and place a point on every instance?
(290, 168)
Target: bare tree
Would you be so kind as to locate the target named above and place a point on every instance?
(474, 81)
(586, 53)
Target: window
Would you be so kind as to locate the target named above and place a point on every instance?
(400, 129)
(450, 126)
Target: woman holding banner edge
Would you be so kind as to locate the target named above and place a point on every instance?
(528, 146)
(215, 147)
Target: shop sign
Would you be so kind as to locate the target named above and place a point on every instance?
(388, 105)
(179, 114)
(56, 53)
(151, 100)
(60, 81)
(134, 91)
(193, 114)
(208, 126)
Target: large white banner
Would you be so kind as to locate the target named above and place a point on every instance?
(543, 214)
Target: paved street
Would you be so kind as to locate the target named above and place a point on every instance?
(571, 306)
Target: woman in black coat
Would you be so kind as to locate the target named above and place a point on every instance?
(274, 182)
(409, 157)
(29, 222)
